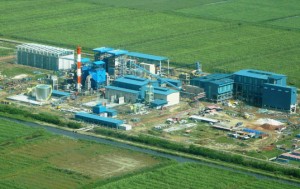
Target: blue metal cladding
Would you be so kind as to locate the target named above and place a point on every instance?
(110, 122)
(98, 77)
(216, 86)
(132, 82)
(261, 75)
(147, 56)
(257, 132)
(278, 97)
(85, 60)
(99, 109)
(60, 93)
(175, 82)
(158, 102)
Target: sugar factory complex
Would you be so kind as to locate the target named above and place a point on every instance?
(139, 92)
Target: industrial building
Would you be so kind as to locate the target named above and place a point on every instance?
(135, 89)
(264, 89)
(151, 63)
(278, 97)
(101, 110)
(105, 121)
(217, 87)
(45, 57)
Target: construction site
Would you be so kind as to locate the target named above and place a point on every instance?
(244, 112)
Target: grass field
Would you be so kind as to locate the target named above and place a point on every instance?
(31, 158)
(224, 35)
(193, 176)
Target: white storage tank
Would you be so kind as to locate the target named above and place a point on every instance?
(43, 92)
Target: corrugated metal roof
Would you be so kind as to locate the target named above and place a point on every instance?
(99, 118)
(147, 56)
(117, 52)
(60, 93)
(122, 89)
(103, 49)
(38, 48)
(259, 74)
(159, 102)
(163, 91)
(223, 82)
(131, 81)
(216, 76)
(133, 77)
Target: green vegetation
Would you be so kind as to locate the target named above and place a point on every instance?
(225, 35)
(196, 176)
(31, 158)
(42, 116)
(5, 52)
(204, 152)
(158, 142)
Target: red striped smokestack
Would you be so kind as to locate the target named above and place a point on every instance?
(79, 69)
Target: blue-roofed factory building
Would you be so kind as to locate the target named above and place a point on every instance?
(134, 89)
(94, 75)
(218, 87)
(264, 89)
(113, 93)
(104, 121)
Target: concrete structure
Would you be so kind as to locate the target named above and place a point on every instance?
(45, 57)
(217, 87)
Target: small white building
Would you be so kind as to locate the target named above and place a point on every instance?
(169, 95)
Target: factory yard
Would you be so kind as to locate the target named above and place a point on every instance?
(215, 85)
(174, 122)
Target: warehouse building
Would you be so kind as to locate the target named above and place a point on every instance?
(113, 93)
(105, 121)
(135, 89)
(217, 87)
(265, 89)
(45, 57)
